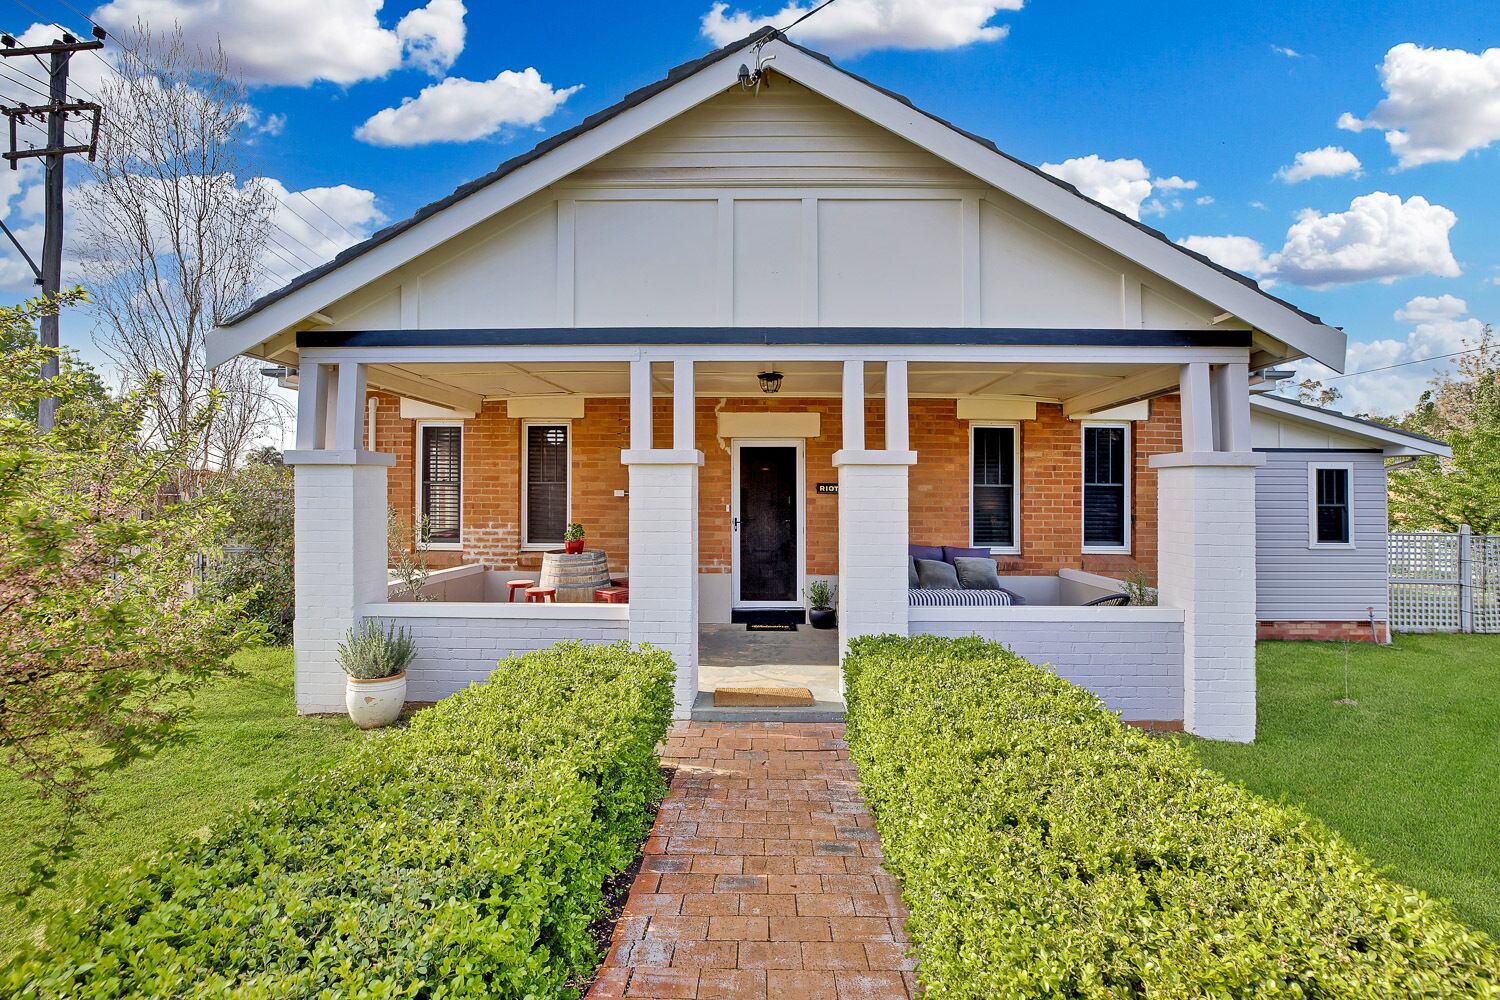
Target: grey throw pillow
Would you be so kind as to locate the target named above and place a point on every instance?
(977, 574)
(913, 582)
(935, 574)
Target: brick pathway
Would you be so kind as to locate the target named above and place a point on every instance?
(762, 877)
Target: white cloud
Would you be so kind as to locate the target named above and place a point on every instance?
(1431, 308)
(1440, 327)
(1439, 103)
(458, 110)
(280, 42)
(1174, 183)
(851, 27)
(319, 222)
(1206, 199)
(433, 36)
(1327, 161)
(1282, 50)
(1238, 253)
(1380, 238)
(1123, 184)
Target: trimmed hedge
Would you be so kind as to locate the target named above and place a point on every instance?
(462, 856)
(1047, 850)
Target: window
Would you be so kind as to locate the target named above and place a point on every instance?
(544, 496)
(994, 508)
(1106, 488)
(1330, 511)
(440, 501)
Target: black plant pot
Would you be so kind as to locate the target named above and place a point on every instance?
(825, 618)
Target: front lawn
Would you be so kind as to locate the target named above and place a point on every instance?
(1411, 773)
(247, 738)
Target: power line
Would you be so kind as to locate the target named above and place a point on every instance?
(804, 17)
(1419, 361)
(317, 257)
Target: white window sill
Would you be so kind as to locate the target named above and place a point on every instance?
(1091, 550)
(540, 546)
(1330, 545)
(445, 546)
(1002, 552)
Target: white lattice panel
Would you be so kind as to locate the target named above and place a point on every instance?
(1485, 570)
(1424, 579)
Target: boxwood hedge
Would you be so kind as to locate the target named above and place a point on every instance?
(1047, 850)
(462, 856)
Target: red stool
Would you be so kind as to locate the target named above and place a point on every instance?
(541, 595)
(612, 595)
(515, 585)
(620, 581)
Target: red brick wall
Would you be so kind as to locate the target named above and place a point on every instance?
(1051, 482)
(1323, 631)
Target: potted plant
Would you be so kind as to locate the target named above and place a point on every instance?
(573, 538)
(820, 596)
(375, 660)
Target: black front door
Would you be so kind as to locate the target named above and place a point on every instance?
(768, 524)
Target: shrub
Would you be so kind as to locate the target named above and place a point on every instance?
(463, 856)
(369, 652)
(1047, 850)
(257, 562)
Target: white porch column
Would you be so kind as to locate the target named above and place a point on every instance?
(340, 535)
(664, 530)
(873, 503)
(1206, 527)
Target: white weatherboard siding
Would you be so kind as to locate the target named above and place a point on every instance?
(1296, 583)
(1132, 658)
(453, 653)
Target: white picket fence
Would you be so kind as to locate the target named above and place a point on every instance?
(1445, 581)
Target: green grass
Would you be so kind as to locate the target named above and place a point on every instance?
(1411, 773)
(246, 739)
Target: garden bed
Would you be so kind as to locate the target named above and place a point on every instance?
(1047, 850)
(464, 855)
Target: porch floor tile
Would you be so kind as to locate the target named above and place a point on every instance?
(762, 876)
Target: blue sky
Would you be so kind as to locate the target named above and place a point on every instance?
(1218, 96)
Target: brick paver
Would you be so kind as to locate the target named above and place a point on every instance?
(762, 877)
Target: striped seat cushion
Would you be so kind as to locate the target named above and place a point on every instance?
(958, 598)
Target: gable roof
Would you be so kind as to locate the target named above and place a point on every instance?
(1308, 332)
(1391, 439)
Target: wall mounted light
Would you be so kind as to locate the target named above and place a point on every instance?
(770, 382)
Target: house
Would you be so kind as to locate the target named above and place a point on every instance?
(755, 334)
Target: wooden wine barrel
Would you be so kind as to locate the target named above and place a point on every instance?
(576, 576)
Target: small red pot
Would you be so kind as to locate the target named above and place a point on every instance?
(573, 548)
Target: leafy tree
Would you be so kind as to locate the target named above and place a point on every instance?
(257, 561)
(1464, 408)
(101, 629)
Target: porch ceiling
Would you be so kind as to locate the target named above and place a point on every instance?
(1051, 382)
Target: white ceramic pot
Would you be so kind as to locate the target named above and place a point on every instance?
(376, 702)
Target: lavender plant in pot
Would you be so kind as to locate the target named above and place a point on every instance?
(375, 660)
(820, 599)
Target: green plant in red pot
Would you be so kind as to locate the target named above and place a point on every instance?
(573, 538)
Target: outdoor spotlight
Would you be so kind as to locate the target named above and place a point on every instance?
(770, 382)
(744, 76)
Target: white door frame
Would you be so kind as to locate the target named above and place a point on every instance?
(799, 504)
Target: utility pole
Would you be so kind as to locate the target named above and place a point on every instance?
(55, 112)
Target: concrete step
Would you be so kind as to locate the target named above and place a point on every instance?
(821, 711)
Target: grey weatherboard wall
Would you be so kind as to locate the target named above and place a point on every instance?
(1296, 583)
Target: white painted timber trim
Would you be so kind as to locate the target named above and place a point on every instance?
(415, 409)
(1208, 459)
(1091, 579)
(770, 425)
(495, 609)
(544, 408)
(1395, 441)
(1139, 410)
(1048, 613)
(865, 456)
(337, 457)
(660, 456)
(1323, 343)
(1064, 354)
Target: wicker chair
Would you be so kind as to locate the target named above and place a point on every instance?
(1111, 601)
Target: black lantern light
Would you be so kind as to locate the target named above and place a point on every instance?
(770, 382)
